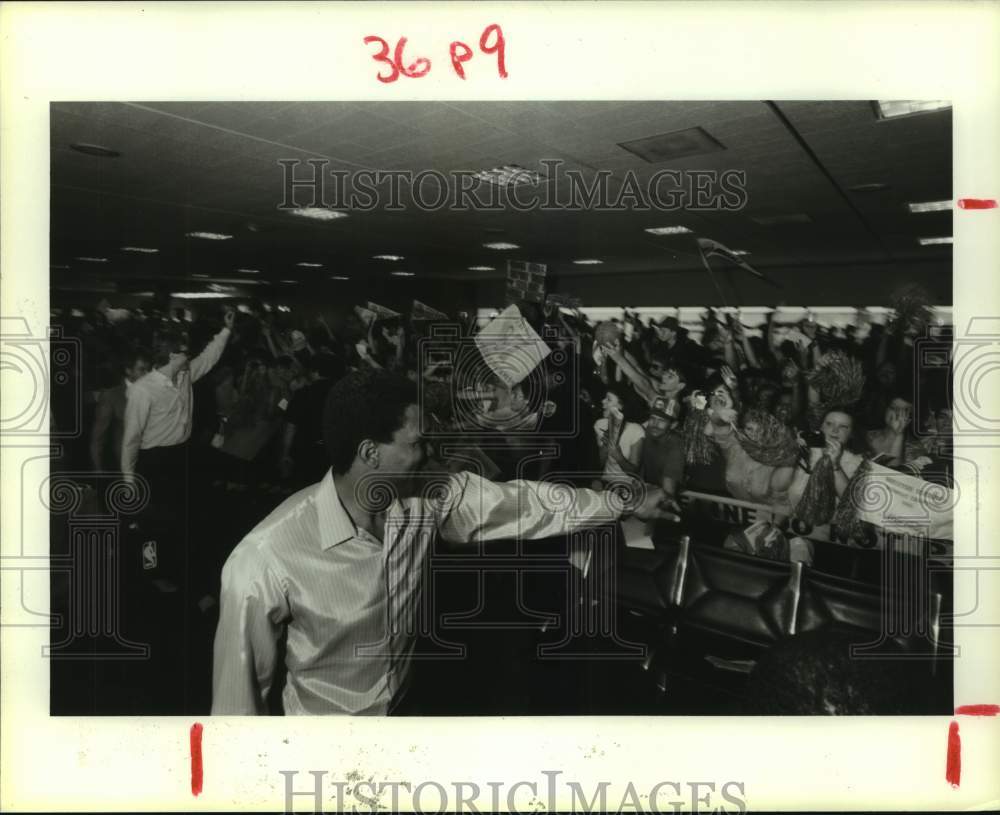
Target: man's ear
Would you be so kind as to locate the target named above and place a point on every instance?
(368, 453)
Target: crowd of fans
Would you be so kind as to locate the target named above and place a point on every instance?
(779, 415)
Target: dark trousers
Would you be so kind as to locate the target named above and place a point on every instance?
(166, 519)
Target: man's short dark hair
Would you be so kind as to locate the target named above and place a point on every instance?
(365, 404)
(133, 356)
(170, 342)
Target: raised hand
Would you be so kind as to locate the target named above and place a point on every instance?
(833, 451)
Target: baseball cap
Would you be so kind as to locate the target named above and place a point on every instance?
(669, 322)
(667, 408)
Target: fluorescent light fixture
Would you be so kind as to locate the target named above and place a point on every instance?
(387, 257)
(740, 252)
(501, 245)
(199, 295)
(209, 236)
(200, 275)
(934, 241)
(896, 108)
(249, 271)
(668, 230)
(307, 265)
(874, 186)
(94, 150)
(142, 250)
(401, 274)
(339, 277)
(482, 268)
(588, 262)
(93, 260)
(317, 213)
(509, 175)
(929, 206)
(288, 281)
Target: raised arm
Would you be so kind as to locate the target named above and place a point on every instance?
(476, 509)
(642, 382)
(205, 361)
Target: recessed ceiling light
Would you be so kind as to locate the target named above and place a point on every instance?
(588, 262)
(668, 230)
(501, 245)
(306, 264)
(894, 109)
(339, 277)
(934, 241)
(509, 175)
(249, 271)
(93, 260)
(929, 206)
(317, 213)
(143, 250)
(401, 274)
(209, 236)
(94, 150)
(482, 268)
(387, 257)
(199, 295)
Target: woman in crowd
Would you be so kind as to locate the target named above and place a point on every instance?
(837, 442)
(619, 435)
(893, 443)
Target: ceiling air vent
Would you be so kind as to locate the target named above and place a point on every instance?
(694, 141)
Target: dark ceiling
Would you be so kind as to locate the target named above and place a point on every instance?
(212, 166)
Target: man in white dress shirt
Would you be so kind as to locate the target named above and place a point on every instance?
(158, 415)
(334, 575)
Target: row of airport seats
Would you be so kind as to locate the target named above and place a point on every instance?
(707, 615)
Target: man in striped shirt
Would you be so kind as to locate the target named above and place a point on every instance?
(335, 574)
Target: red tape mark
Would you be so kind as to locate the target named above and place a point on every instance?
(953, 770)
(977, 710)
(976, 203)
(196, 767)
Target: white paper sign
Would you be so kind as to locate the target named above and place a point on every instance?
(510, 346)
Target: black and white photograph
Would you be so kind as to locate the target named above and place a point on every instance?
(586, 407)
(512, 407)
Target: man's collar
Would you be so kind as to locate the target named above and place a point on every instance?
(335, 525)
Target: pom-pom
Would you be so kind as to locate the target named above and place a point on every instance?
(839, 380)
(913, 306)
(819, 499)
(698, 448)
(767, 441)
(847, 526)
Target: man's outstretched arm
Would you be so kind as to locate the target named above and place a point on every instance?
(478, 509)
